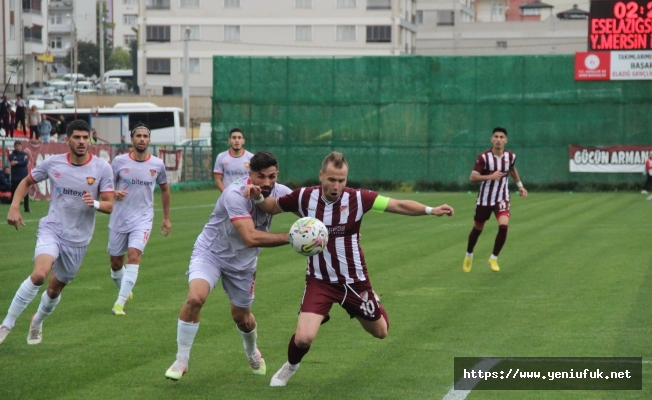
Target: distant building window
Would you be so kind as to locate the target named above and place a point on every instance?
(232, 3)
(158, 66)
(419, 19)
(379, 33)
(56, 19)
(303, 3)
(530, 11)
(379, 4)
(33, 6)
(128, 39)
(55, 43)
(446, 18)
(33, 34)
(232, 33)
(189, 3)
(171, 90)
(346, 32)
(194, 32)
(303, 33)
(157, 4)
(497, 9)
(129, 19)
(158, 33)
(129, 1)
(193, 65)
(346, 3)
(501, 44)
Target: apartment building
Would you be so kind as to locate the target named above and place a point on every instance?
(495, 27)
(297, 28)
(63, 17)
(124, 14)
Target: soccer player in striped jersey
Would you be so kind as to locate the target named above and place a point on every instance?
(232, 164)
(77, 179)
(339, 273)
(135, 174)
(492, 168)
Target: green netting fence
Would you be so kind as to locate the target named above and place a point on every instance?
(425, 118)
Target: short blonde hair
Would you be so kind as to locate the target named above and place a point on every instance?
(336, 158)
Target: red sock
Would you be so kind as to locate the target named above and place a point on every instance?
(295, 353)
(501, 237)
(473, 239)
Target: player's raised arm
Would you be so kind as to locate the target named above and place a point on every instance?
(413, 208)
(268, 204)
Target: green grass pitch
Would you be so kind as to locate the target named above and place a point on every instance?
(575, 281)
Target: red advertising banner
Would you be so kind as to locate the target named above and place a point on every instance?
(592, 66)
(608, 159)
(40, 151)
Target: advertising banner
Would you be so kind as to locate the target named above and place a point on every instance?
(610, 159)
(614, 65)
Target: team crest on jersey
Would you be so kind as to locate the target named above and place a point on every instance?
(246, 165)
(152, 172)
(344, 209)
(90, 180)
(57, 174)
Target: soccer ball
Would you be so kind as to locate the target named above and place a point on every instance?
(308, 236)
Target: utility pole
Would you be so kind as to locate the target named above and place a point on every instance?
(102, 46)
(186, 87)
(23, 89)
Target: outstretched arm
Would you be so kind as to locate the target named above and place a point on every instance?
(514, 174)
(268, 204)
(413, 208)
(256, 238)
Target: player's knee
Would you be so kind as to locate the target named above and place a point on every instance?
(37, 278)
(303, 340)
(195, 302)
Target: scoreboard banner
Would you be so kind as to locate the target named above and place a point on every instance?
(608, 159)
(613, 65)
(620, 25)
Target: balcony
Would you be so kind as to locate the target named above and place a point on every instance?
(60, 5)
(33, 34)
(32, 6)
(158, 4)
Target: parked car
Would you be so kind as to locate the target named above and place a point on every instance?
(69, 100)
(196, 142)
(113, 83)
(61, 87)
(85, 87)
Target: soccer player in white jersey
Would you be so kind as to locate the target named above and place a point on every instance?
(77, 179)
(228, 249)
(135, 174)
(492, 168)
(339, 273)
(232, 164)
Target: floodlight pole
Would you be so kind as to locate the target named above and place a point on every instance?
(102, 46)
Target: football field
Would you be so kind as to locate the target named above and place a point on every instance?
(575, 281)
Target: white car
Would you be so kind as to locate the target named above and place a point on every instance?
(196, 142)
(69, 100)
(112, 85)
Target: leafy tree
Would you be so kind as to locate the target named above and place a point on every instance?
(88, 62)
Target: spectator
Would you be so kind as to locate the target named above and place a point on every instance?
(648, 173)
(4, 108)
(19, 161)
(61, 127)
(95, 138)
(34, 119)
(5, 180)
(9, 119)
(21, 113)
(44, 128)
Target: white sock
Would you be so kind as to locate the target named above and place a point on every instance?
(128, 282)
(469, 255)
(24, 295)
(249, 341)
(45, 308)
(493, 257)
(293, 367)
(186, 332)
(117, 276)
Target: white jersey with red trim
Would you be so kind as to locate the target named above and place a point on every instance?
(648, 167)
(232, 168)
(139, 179)
(492, 192)
(220, 236)
(69, 217)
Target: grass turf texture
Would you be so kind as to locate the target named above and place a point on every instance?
(575, 282)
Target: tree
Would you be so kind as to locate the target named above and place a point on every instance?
(88, 54)
(120, 59)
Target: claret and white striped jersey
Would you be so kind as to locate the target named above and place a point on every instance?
(69, 216)
(138, 178)
(492, 192)
(342, 260)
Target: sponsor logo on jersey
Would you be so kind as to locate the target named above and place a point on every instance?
(336, 230)
(137, 182)
(69, 192)
(90, 180)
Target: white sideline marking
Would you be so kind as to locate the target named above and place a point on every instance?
(488, 363)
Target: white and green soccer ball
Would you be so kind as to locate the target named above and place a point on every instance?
(308, 236)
